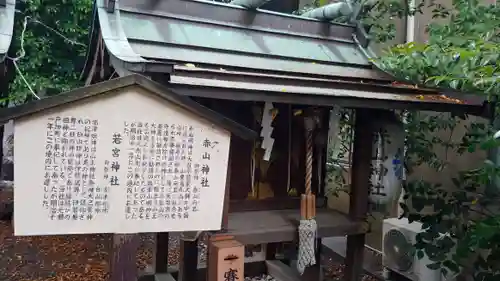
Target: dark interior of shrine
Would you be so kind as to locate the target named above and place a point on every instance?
(257, 184)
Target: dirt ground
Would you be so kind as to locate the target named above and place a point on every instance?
(79, 257)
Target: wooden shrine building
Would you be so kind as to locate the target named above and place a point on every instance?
(236, 59)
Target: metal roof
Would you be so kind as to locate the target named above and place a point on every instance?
(150, 35)
(224, 51)
(7, 12)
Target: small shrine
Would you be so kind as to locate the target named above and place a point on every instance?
(279, 75)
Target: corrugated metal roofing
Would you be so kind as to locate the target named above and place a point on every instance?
(194, 37)
(188, 31)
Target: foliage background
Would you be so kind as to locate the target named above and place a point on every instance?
(462, 224)
(52, 59)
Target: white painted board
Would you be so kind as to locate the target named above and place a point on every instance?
(109, 165)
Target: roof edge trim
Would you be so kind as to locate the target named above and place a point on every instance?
(117, 44)
(108, 86)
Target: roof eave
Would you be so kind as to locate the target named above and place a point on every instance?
(159, 90)
(108, 23)
(317, 91)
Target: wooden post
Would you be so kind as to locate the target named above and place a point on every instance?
(360, 188)
(123, 262)
(188, 261)
(227, 199)
(161, 253)
(226, 260)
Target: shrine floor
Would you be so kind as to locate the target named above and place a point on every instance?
(84, 257)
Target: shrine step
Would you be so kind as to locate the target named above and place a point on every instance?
(261, 227)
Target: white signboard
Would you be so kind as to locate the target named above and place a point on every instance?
(122, 163)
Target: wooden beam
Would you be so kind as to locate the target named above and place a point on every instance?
(123, 259)
(264, 204)
(360, 189)
(262, 227)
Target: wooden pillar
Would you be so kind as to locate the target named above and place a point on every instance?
(227, 194)
(360, 188)
(123, 260)
(226, 259)
(161, 253)
(188, 264)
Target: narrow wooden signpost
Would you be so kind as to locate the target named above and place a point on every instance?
(226, 260)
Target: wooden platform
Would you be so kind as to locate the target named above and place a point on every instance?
(258, 227)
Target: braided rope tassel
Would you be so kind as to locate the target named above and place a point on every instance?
(307, 227)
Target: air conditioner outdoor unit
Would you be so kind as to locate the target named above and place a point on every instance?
(397, 242)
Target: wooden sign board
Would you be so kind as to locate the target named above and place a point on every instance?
(123, 162)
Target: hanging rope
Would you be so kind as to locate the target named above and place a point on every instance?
(309, 155)
(307, 227)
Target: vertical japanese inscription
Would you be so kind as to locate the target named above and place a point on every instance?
(70, 179)
(379, 171)
(162, 179)
(231, 275)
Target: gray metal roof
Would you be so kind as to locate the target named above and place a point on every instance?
(148, 35)
(7, 12)
(225, 51)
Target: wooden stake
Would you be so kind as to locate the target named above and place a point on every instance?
(226, 260)
(123, 267)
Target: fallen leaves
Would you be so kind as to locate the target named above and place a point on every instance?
(83, 257)
(53, 258)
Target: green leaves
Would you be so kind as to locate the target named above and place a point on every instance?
(461, 54)
(52, 60)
